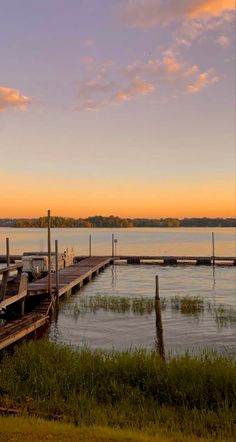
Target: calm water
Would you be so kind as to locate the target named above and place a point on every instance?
(109, 330)
(182, 332)
(143, 241)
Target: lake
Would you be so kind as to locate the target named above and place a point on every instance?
(131, 241)
(213, 327)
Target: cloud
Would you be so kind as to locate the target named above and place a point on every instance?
(149, 13)
(10, 98)
(203, 80)
(88, 88)
(136, 87)
(223, 41)
(190, 30)
(170, 74)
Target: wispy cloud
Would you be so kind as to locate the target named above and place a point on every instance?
(98, 95)
(170, 75)
(149, 13)
(12, 98)
(223, 41)
(203, 80)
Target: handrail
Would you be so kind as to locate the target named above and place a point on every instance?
(11, 268)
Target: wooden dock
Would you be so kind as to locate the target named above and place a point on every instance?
(71, 277)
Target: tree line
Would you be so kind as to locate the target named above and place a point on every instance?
(115, 221)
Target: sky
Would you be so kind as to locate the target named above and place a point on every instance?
(123, 107)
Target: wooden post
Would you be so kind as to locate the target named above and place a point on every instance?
(90, 245)
(159, 328)
(49, 254)
(112, 245)
(7, 252)
(213, 247)
(23, 285)
(157, 297)
(115, 247)
(56, 270)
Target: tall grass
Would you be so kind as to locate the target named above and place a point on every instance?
(134, 388)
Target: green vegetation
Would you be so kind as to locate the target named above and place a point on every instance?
(188, 304)
(115, 221)
(132, 389)
(118, 304)
(37, 430)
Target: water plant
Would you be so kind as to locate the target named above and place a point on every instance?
(117, 304)
(192, 305)
(225, 315)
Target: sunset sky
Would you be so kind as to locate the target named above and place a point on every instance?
(122, 107)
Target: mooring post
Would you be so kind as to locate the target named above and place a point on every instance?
(7, 252)
(49, 254)
(90, 245)
(213, 247)
(115, 246)
(112, 245)
(157, 289)
(56, 270)
(159, 328)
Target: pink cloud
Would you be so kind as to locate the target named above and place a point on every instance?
(10, 98)
(149, 13)
(137, 87)
(203, 80)
(171, 75)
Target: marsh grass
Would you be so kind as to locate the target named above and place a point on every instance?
(187, 305)
(117, 304)
(190, 305)
(135, 389)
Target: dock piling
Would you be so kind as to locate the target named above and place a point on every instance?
(112, 245)
(49, 255)
(213, 247)
(56, 270)
(157, 297)
(8, 252)
(90, 246)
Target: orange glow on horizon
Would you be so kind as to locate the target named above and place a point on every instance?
(149, 200)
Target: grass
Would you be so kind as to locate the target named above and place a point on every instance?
(117, 304)
(188, 305)
(131, 390)
(37, 430)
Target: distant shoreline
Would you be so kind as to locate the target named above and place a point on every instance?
(117, 222)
